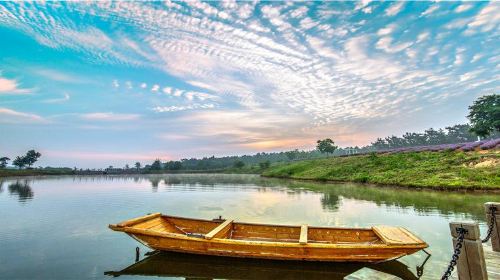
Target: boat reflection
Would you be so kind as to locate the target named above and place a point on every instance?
(188, 266)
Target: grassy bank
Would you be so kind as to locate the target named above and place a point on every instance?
(445, 170)
(69, 171)
(34, 172)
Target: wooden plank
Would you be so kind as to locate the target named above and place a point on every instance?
(219, 228)
(303, 235)
(139, 220)
(396, 235)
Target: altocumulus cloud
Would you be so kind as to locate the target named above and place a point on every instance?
(313, 64)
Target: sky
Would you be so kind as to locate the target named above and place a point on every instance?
(92, 84)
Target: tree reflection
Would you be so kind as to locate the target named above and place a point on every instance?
(155, 182)
(22, 189)
(330, 201)
(1, 186)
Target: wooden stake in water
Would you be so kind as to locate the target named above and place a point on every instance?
(495, 233)
(471, 264)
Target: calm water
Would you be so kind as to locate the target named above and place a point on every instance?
(56, 227)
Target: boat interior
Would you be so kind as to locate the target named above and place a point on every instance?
(227, 229)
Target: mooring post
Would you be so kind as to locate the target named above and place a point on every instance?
(495, 232)
(471, 264)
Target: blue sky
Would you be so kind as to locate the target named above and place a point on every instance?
(97, 83)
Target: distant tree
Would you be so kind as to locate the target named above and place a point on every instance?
(127, 167)
(156, 165)
(19, 161)
(484, 115)
(173, 165)
(137, 166)
(460, 133)
(326, 146)
(291, 155)
(239, 164)
(31, 157)
(264, 164)
(3, 162)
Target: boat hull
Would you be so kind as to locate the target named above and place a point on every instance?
(230, 246)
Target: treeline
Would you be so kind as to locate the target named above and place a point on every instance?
(450, 135)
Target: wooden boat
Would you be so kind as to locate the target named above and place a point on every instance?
(189, 266)
(234, 239)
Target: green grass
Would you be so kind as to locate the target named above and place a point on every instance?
(447, 169)
(34, 172)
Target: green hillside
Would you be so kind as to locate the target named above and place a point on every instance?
(450, 170)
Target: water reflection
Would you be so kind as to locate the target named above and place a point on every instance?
(167, 264)
(421, 201)
(22, 189)
(82, 206)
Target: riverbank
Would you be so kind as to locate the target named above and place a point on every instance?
(68, 171)
(436, 170)
(35, 172)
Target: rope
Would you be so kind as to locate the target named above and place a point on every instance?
(456, 253)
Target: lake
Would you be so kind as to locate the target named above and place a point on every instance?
(56, 227)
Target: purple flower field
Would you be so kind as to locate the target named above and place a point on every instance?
(468, 146)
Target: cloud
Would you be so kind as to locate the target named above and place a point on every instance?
(15, 117)
(65, 98)
(429, 10)
(98, 155)
(486, 20)
(387, 30)
(163, 109)
(422, 36)
(11, 87)
(109, 116)
(463, 8)
(394, 9)
(476, 57)
(57, 76)
(385, 44)
(283, 64)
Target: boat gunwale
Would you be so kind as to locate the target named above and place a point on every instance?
(273, 225)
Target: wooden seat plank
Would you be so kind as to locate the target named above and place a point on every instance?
(303, 235)
(218, 229)
(395, 235)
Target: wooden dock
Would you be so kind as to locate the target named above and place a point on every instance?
(492, 263)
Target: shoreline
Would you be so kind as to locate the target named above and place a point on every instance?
(320, 181)
(389, 186)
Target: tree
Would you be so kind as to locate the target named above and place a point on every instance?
(20, 162)
(127, 167)
(264, 164)
(239, 164)
(31, 157)
(156, 165)
(3, 162)
(484, 115)
(291, 155)
(138, 165)
(326, 146)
